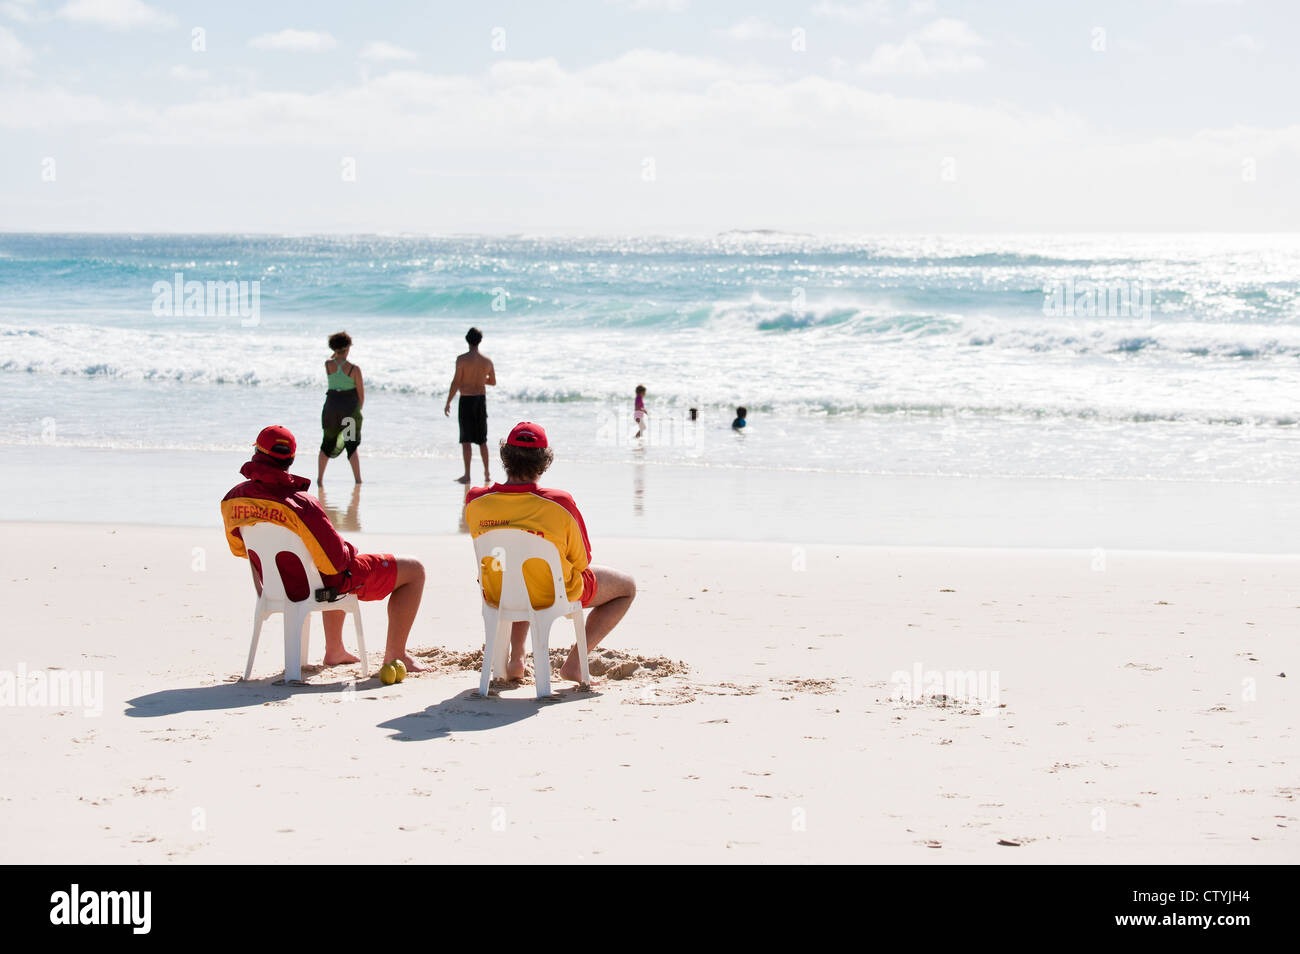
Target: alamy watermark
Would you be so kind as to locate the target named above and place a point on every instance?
(1119, 299)
(78, 906)
(619, 427)
(53, 689)
(193, 299)
(962, 687)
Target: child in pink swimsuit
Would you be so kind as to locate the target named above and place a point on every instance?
(640, 412)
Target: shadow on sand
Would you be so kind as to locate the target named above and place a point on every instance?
(232, 695)
(469, 712)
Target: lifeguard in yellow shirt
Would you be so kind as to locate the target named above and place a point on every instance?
(522, 505)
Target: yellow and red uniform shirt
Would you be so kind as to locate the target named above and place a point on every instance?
(276, 496)
(549, 513)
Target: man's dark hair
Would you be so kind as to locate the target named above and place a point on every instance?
(473, 336)
(740, 412)
(525, 464)
(340, 341)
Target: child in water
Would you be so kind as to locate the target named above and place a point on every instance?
(639, 412)
(739, 422)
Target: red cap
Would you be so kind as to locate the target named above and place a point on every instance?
(277, 442)
(527, 434)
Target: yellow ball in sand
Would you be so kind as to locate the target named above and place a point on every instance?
(401, 669)
(388, 674)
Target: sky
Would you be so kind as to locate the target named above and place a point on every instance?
(649, 116)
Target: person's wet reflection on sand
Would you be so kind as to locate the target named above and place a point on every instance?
(638, 488)
(343, 519)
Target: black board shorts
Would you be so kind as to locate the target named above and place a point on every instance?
(472, 413)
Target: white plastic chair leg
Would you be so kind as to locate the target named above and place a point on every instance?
(491, 631)
(542, 655)
(580, 631)
(304, 641)
(293, 648)
(361, 643)
(501, 655)
(501, 658)
(252, 650)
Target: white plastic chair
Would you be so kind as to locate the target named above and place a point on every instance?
(268, 541)
(511, 549)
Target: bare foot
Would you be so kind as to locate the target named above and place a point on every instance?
(516, 669)
(570, 671)
(463, 480)
(341, 658)
(410, 664)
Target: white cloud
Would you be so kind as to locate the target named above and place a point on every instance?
(656, 69)
(539, 104)
(534, 142)
(57, 108)
(529, 74)
(867, 11)
(944, 46)
(754, 28)
(24, 11)
(1244, 42)
(949, 32)
(187, 74)
(922, 8)
(653, 6)
(294, 41)
(116, 14)
(380, 51)
(14, 57)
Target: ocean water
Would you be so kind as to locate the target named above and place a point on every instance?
(1134, 357)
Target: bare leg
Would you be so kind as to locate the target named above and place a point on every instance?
(515, 668)
(466, 452)
(355, 461)
(487, 477)
(321, 460)
(403, 604)
(335, 654)
(615, 591)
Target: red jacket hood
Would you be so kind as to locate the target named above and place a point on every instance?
(273, 476)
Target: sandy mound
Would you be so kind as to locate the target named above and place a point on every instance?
(448, 660)
(604, 663)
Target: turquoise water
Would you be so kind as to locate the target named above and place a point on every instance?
(887, 356)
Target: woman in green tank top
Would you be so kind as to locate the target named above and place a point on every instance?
(340, 419)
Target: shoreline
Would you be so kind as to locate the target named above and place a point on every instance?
(673, 502)
(625, 542)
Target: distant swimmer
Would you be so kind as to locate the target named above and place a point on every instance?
(639, 412)
(739, 422)
(474, 373)
(340, 418)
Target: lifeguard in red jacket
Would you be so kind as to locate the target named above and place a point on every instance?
(272, 494)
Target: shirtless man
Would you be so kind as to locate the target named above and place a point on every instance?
(474, 372)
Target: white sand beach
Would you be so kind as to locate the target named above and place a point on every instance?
(1132, 708)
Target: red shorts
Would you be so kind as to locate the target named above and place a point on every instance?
(588, 587)
(373, 575)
